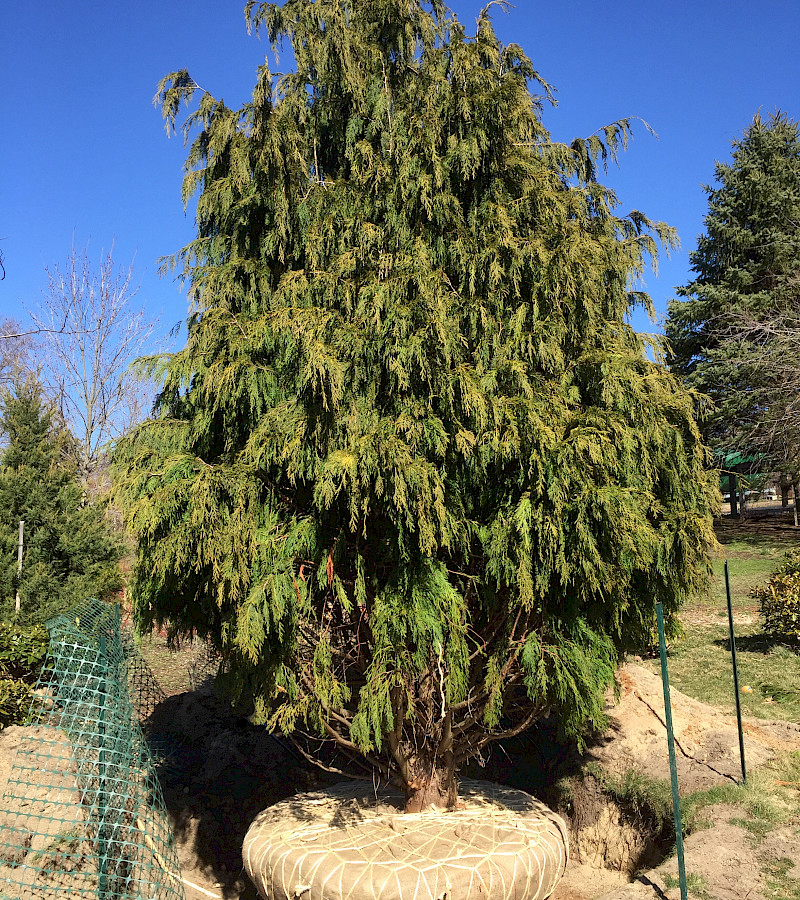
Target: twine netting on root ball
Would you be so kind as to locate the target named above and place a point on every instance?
(352, 843)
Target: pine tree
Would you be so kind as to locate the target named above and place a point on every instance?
(734, 337)
(69, 552)
(413, 472)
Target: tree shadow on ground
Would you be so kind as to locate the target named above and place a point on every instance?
(758, 529)
(541, 760)
(217, 772)
(755, 643)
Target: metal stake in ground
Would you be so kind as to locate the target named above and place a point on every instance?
(735, 672)
(673, 766)
(19, 563)
(102, 800)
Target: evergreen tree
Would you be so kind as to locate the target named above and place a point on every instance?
(69, 552)
(413, 472)
(734, 337)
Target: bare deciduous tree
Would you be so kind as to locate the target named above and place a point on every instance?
(16, 351)
(92, 332)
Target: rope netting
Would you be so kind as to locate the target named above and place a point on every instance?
(350, 842)
(83, 814)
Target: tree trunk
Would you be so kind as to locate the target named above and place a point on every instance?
(733, 487)
(784, 492)
(434, 785)
(794, 494)
(431, 777)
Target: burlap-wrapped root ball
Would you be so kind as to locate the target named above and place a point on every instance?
(347, 844)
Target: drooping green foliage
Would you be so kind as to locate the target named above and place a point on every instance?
(413, 472)
(69, 552)
(734, 336)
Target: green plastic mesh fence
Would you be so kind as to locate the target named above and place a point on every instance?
(83, 814)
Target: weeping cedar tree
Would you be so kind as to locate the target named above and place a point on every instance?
(734, 336)
(69, 551)
(413, 473)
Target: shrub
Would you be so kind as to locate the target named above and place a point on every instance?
(22, 654)
(15, 698)
(779, 600)
(22, 651)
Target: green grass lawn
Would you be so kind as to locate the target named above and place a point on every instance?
(748, 567)
(700, 663)
(751, 560)
(700, 666)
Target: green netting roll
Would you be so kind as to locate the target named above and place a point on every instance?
(83, 811)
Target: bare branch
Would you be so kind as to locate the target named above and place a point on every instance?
(16, 351)
(473, 748)
(326, 768)
(92, 333)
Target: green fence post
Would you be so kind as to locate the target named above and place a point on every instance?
(673, 765)
(735, 672)
(102, 799)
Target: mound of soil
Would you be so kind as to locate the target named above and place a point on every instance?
(41, 853)
(706, 740)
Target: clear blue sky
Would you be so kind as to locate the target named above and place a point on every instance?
(84, 157)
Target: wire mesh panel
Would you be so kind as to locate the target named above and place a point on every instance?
(83, 811)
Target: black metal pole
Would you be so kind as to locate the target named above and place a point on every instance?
(735, 672)
(673, 765)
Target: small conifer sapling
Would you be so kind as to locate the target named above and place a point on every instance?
(70, 552)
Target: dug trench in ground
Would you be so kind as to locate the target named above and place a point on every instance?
(218, 772)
